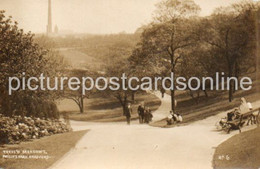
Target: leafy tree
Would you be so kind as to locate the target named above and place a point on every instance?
(192, 65)
(231, 33)
(171, 32)
(123, 93)
(18, 54)
(78, 96)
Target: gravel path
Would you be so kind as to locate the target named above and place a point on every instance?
(119, 146)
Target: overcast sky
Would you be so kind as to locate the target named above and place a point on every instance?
(91, 16)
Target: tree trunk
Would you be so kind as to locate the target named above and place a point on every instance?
(198, 96)
(81, 109)
(81, 105)
(191, 94)
(173, 100)
(173, 91)
(123, 102)
(133, 96)
(124, 109)
(206, 93)
(230, 95)
(236, 75)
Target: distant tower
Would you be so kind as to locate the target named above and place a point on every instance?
(49, 26)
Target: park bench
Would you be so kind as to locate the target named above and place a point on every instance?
(238, 123)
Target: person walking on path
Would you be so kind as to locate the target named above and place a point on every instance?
(140, 111)
(128, 113)
(148, 115)
(162, 92)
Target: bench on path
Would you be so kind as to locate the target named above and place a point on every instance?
(238, 123)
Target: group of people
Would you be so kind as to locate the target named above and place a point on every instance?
(241, 111)
(144, 114)
(174, 118)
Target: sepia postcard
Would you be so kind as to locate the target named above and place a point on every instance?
(129, 84)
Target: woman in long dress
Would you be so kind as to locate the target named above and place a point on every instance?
(243, 108)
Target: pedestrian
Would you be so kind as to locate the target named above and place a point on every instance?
(179, 118)
(169, 119)
(140, 111)
(128, 112)
(162, 92)
(148, 115)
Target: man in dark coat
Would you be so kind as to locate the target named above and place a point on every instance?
(128, 113)
(140, 111)
(148, 115)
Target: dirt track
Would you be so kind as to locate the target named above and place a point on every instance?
(118, 146)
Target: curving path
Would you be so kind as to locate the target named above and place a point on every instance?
(118, 146)
(163, 110)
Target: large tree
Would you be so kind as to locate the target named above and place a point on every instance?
(171, 32)
(20, 54)
(123, 93)
(231, 33)
(77, 95)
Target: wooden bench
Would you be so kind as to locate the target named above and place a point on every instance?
(237, 124)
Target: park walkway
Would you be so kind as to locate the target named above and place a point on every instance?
(118, 146)
(163, 110)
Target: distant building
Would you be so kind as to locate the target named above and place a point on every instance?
(56, 32)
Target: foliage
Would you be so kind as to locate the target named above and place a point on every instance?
(230, 32)
(18, 128)
(117, 69)
(78, 96)
(190, 46)
(19, 53)
(168, 36)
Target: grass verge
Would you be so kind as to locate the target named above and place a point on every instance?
(241, 151)
(55, 146)
(109, 110)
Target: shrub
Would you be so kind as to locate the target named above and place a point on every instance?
(17, 128)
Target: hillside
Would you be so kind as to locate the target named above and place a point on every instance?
(240, 151)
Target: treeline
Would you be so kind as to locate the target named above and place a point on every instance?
(97, 46)
(179, 41)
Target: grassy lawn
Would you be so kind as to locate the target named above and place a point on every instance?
(240, 151)
(61, 142)
(100, 109)
(79, 59)
(215, 103)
